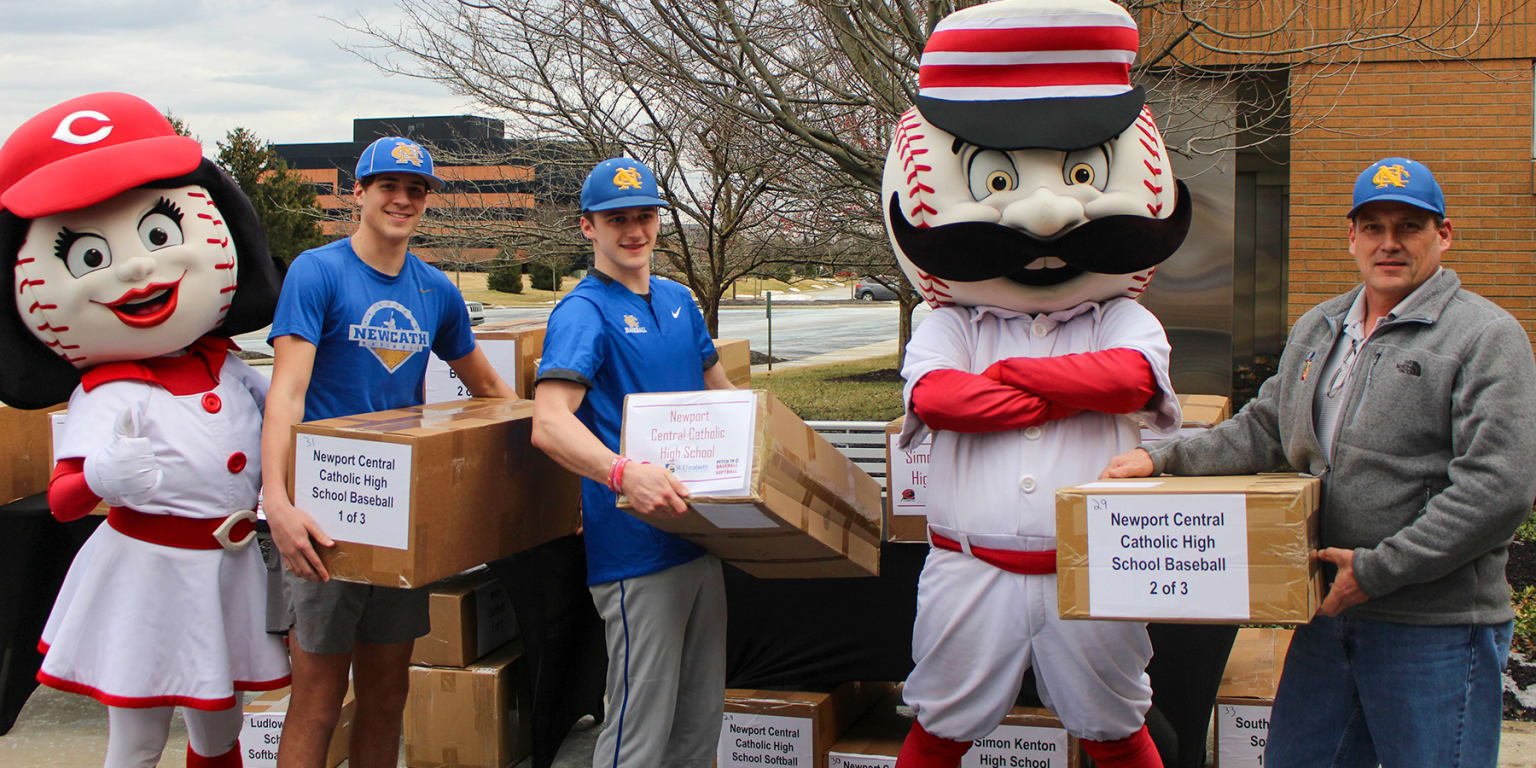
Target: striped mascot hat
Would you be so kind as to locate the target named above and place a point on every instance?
(1032, 74)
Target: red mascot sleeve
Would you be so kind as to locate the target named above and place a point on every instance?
(68, 495)
(1112, 381)
(965, 402)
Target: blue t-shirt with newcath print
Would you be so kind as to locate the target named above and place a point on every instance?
(372, 332)
(614, 342)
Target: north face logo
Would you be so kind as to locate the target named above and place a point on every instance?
(1410, 367)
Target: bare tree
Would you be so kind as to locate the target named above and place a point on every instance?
(822, 81)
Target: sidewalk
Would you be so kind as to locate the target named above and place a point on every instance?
(877, 349)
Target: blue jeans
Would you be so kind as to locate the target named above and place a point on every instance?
(1359, 693)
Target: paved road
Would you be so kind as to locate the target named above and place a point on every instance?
(797, 333)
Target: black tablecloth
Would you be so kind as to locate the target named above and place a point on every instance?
(35, 553)
(800, 633)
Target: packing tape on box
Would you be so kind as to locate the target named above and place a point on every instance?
(811, 491)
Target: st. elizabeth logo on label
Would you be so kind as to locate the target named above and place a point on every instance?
(391, 333)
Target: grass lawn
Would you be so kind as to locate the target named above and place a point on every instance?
(814, 393)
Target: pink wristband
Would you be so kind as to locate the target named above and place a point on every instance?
(616, 474)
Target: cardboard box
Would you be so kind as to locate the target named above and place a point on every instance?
(736, 356)
(26, 459)
(1246, 694)
(906, 487)
(1027, 736)
(1205, 410)
(416, 494)
(770, 495)
(1201, 412)
(513, 347)
(263, 729)
(790, 727)
(471, 616)
(476, 717)
(1213, 550)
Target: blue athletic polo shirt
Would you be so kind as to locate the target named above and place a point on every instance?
(371, 331)
(613, 342)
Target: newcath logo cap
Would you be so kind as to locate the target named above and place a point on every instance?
(1401, 180)
(88, 150)
(396, 154)
(619, 182)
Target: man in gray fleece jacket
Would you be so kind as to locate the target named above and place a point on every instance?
(1415, 402)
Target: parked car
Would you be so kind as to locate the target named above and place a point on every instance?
(869, 290)
(476, 312)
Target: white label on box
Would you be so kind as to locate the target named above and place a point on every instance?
(259, 737)
(748, 740)
(357, 490)
(1241, 731)
(734, 516)
(443, 385)
(908, 477)
(1168, 556)
(494, 622)
(705, 438)
(56, 428)
(851, 760)
(1028, 746)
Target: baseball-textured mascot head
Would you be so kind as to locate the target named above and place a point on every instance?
(124, 243)
(1030, 175)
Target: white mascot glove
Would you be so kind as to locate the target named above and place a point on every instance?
(125, 472)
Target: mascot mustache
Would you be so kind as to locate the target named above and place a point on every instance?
(973, 251)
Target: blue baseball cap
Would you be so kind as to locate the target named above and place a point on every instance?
(396, 154)
(1402, 180)
(619, 182)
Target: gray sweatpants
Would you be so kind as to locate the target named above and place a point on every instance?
(666, 667)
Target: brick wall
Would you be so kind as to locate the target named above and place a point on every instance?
(1470, 122)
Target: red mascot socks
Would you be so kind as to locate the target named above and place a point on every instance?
(925, 750)
(1133, 751)
(230, 759)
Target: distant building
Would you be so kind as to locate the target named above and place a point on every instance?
(493, 183)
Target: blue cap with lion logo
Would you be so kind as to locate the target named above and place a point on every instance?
(1401, 180)
(619, 182)
(396, 154)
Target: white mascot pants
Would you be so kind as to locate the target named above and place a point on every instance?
(980, 629)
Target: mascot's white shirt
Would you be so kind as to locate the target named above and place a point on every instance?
(196, 438)
(1004, 483)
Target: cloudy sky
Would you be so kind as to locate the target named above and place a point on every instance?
(274, 66)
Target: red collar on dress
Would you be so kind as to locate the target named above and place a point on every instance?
(188, 374)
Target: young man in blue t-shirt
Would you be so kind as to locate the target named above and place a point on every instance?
(355, 322)
(661, 598)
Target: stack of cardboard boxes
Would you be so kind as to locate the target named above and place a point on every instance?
(469, 700)
(1246, 694)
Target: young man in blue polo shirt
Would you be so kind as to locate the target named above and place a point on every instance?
(354, 325)
(661, 598)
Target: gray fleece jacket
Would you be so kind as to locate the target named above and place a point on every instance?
(1434, 456)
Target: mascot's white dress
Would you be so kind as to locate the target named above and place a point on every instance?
(133, 259)
(1029, 197)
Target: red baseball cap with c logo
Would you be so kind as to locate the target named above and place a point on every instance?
(87, 150)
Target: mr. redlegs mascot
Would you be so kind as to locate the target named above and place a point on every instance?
(1029, 197)
(133, 259)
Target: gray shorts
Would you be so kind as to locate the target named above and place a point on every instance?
(331, 616)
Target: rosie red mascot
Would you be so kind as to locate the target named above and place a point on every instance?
(133, 260)
(1029, 197)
